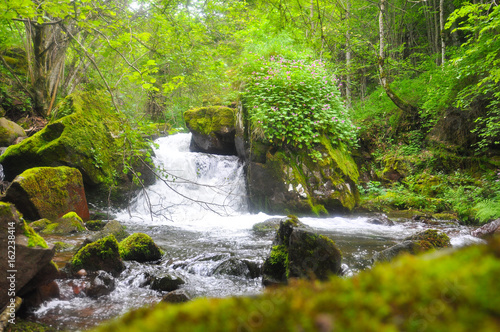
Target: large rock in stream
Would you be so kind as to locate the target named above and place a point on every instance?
(414, 245)
(23, 256)
(213, 129)
(279, 180)
(88, 135)
(297, 253)
(48, 192)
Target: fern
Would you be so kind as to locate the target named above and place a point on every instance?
(488, 209)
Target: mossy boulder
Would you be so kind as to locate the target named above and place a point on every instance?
(139, 247)
(414, 245)
(9, 132)
(100, 255)
(272, 225)
(95, 225)
(213, 129)
(40, 224)
(31, 255)
(87, 136)
(70, 223)
(48, 192)
(292, 182)
(297, 253)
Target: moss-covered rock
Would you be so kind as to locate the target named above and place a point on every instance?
(48, 192)
(95, 225)
(436, 238)
(139, 247)
(292, 182)
(21, 249)
(296, 253)
(100, 255)
(415, 244)
(9, 132)
(70, 223)
(213, 129)
(88, 137)
(60, 246)
(40, 224)
(457, 292)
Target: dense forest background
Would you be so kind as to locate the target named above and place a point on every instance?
(420, 79)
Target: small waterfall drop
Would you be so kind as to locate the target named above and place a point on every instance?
(193, 188)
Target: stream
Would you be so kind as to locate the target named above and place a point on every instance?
(198, 215)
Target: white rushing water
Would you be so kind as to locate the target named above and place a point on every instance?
(198, 214)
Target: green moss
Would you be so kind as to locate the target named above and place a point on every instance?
(139, 247)
(34, 240)
(457, 292)
(62, 246)
(436, 238)
(88, 138)
(279, 255)
(209, 120)
(22, 325)
(102, 254)
(74, 220)
(95, 225)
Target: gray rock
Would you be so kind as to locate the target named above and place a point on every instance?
(176, 296)
(166, 283)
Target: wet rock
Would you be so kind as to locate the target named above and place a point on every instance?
(387, 255)
(238, 268)
(272, 225)
(213, 130)
(415, 244)
(112, 227)
(32, 253)
(380, 219)
(60, 246)
(100, 255)
(139, 247)
(434, 237)
(177, 296)
(301, 254)
(488, 230)
(9, 132)
(95, 225)
(101, 283)
(166, 283)
(42, 294)
(48, 192)
(312, 256)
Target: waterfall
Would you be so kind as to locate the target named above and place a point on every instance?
(192, 187)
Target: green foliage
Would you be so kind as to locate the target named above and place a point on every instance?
(292, 103)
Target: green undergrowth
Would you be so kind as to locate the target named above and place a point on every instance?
(436, 292)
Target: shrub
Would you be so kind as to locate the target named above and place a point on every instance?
(291, 103)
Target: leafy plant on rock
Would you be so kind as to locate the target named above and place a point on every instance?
(292, 103)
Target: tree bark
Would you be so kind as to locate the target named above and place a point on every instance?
(49, 46)
(441, 32)
(400, 103)
(348, 57)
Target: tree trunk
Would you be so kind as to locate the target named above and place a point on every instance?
(49, 47)
(400, 103)
(441, 32)
(348, 58)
